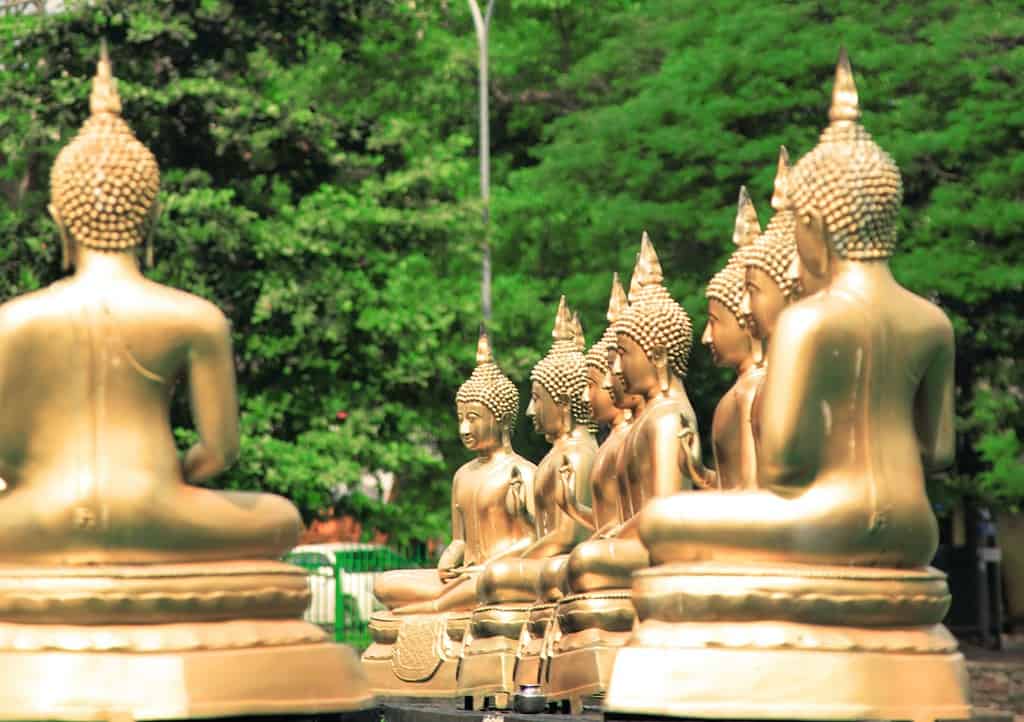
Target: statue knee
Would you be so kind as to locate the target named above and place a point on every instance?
(553, 579)
(605, 564)
(507, 580)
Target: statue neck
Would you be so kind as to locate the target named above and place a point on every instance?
(92, 262)
(498, 451)
(748, 363)
(859, 277)
(675, 388)
(495, 453)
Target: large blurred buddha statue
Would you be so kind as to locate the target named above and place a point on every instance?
(102, 525)
(728, 336)
(811, 598)
(508, 588)
(485, 526)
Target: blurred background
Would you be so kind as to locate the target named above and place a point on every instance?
(321, 185)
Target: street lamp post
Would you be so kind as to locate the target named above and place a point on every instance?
(482, 23)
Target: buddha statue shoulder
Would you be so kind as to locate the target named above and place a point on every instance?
(728, 337)
(858, 399)
(88, 366)
(561, 414)
(486, 525)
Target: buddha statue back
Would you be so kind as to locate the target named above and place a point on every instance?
(107, 550)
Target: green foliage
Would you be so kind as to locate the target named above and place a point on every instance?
(320, 186)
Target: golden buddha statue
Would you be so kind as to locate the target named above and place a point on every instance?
(507, 588)
(575, 671)
(653, 340)
(115, 566)
(415, 650)
(728, 336)
(770, 281)
(811, 597)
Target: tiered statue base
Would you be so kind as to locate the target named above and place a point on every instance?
(589, 630)
(790, 643)
(167, 642)
(532, 654)
(416, 655)
(487, 672)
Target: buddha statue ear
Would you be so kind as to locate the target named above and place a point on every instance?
(564, 404)
(65, 240)
(813, 242)
(659, 357)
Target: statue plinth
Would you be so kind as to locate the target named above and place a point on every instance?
(415, 655)
(490, 653)
(719, 641)
(172, 641)
(591, 629)
(532, 654)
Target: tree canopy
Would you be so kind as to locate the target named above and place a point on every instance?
(320, 185)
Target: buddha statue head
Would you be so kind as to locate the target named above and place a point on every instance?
(558, 380)
(727, 332)
(600, 388)
(846, 192)
(104, 183)
(487, 403)
(770, 285)
(654, 335)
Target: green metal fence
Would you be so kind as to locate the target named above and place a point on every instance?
(341, 576)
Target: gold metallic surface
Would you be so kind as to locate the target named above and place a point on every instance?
(126, 591)
(560, 508)
(727, 335)
(431, 607)
(810, 597)
(417, 655)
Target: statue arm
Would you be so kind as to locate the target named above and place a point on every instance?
(211, 376)
(665, 451)
(455, 551)
(792, 428)
(570, 498)
(934, 408)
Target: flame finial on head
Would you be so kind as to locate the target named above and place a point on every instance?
(104, 97)
(483, 347)
(747, 226)
(617, 302)
(845, 104)
(780, 200)
(563, 329)
(648, 267)
(577, 331)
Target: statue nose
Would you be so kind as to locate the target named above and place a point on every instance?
(463, 428)
(530, 411)
(706, 336)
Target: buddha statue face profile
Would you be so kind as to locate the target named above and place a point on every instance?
(727, 334)
(557, 398)
(478, 429)
(654, 334)
(550, 417)
(770, 282)
(486, 405)
(601, 404)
